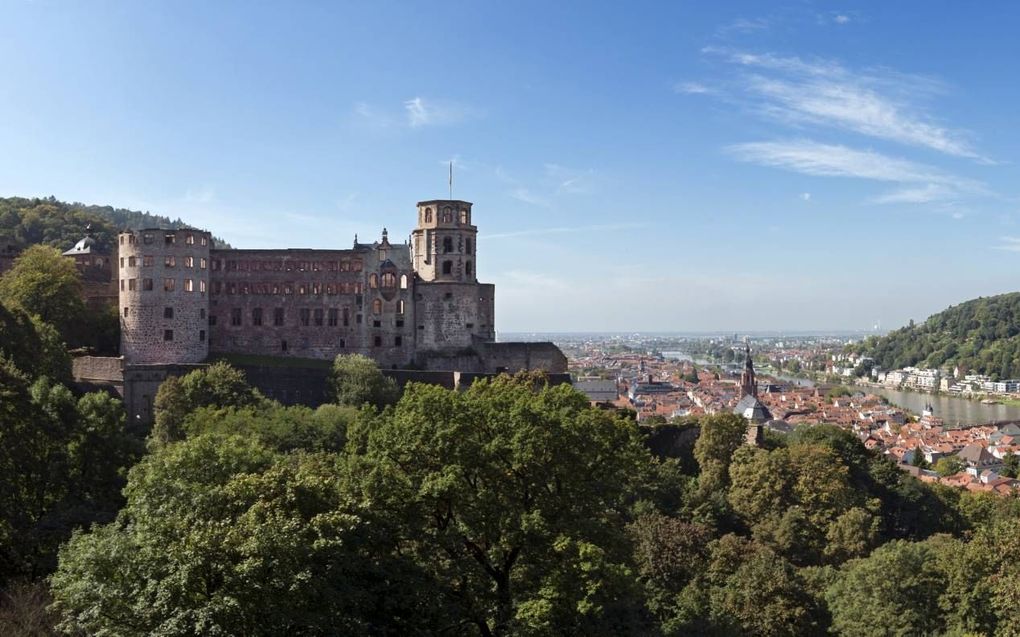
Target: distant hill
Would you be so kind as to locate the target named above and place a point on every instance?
(981, 335)
(59, 224)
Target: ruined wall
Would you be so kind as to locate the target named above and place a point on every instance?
(515, 357)
(163, 279)
(314, 303)
(452, 317)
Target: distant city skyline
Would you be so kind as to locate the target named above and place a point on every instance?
(649, 167)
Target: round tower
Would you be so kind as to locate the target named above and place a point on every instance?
(444, 241)
(164, 295)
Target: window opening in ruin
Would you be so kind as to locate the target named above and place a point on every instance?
(201, 286)
(168, 335)
(403, 281)
(317, 317)
(467, 268)
(377, 307)
(400, 307)
(283, 346)
(146, 285)
(347, 317)
(447, 267)
(201, 335)
(131, 262)
(305, 316)
(377, 341)
(147, 239)
(428, 215)
(168, 312)
(212, 320)
(131, 284)
(377, 323)
(201, 313)
(373, 281)
(170, 238)
(398, 341)
(470, 326)
(467, 246)
(447, 245)
(331, 318)
(189, 285)
(343, 343)
(278, 315)
(189, 239)
(256, 316)
(189, 262)
(169, 285)
(235, 316)
(170, 261)
(125, 312)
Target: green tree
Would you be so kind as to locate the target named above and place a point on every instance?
(514, 498)
(33, 346)
(894, 591)
(1011, 466)
(949, 465)
(357, 380)
(47, 285)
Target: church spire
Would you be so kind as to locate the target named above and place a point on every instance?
(748, 382)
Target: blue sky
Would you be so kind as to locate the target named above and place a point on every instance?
(634, 166)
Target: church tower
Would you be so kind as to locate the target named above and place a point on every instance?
(444, 241)
(748, 382)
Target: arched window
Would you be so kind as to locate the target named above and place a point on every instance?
(400, 307)
(377, 307)
(447, 267)
(447, 216)
(389, 280)
(467, 246)
(447, 245)
(373, 281)
(463, 216)
(428, 215)
(403, 281)
(467, 268)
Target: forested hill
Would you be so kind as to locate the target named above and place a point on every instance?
(61, 225)
(981, 335)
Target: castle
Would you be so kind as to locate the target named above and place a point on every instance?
(415, 306)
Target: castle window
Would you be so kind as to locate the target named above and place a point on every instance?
(467, 268)
(121, 239)
(169, 238)
(168, 312)
(469, 326)
(189, 285)
(376, 323)
(331, 318)
(168, 335)
(467, 246)
(131, 284)
(170, 261)
(147, 285)
(131, 262)
(343, 343)
(345, 265)
(447, 216)
(447, 267)
(373, 281)
(398, 341)
(400, 307)
(235, 316)
(377, 307)
(131, 239)
(389, 280)
(217, 287)
(356, 265)
(377, 341)
(231, 288)
(448, 295)
(231, 265)
(330, 289)
(399, 322)
(169, 285)
(189, 262)
(305, 316)
(217, 264)
(347, 317)
(278, 316)
(403, 281)
(147, 261)
(283, 346)
(256, 316)
(147, 239)
(316, 288)
(463, 216)
(201, 313)
(317, 317)
(357, 288)
(201, 335)
(126, 311)
(201, 286)
(288, 289)
(212, 320)
(358, 319)
(189, 239)
(204, 240)
(302, 288)
(428, 215)
(447, 245)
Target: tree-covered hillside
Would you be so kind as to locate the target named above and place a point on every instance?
(981, 336)
(60, 224)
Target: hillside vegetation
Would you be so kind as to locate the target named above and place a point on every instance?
(60, 225)
(981, 336)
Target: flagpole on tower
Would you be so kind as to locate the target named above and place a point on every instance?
(451, 179)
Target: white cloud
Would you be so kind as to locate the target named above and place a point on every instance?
(806, 196)
(877, 103)
(1009, 244)
(744, 25)
(424, 112)
(692, 88)
(570, 180)
(830, 160)
(841, 19)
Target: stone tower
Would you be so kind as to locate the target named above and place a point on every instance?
(164, 295)
(748, 382)
(444, 241)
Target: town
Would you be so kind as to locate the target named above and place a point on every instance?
(668, 386)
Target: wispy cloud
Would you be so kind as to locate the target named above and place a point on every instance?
(528, 197)
(744, 25)
(877, 103)
(692, 88)
(1009, 244)
(565, 229)
(831, 160)
(570, 180)
(426, 112)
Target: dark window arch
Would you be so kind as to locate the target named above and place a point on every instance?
(447, 245)
(447, 267)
